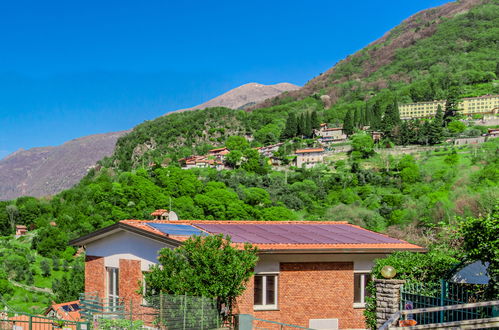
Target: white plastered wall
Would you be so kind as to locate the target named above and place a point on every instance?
(126, 245)
(361, 262)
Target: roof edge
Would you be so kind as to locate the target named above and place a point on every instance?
(340, 251)
(83, 240)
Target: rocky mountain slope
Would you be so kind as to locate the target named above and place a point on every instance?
(245, 96)
(49, 170)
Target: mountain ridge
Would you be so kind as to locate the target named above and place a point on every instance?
(28, 171)
(243, 96)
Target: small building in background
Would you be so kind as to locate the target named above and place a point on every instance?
(201, 162)
(160, 214)
(268, 151)
(309, 157)
(493, 132)
(21, 230)
(68, 311)
(218, 154)
(376, 136)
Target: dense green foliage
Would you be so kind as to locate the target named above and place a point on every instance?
(23, 271)
(203, 266)
(480, 238)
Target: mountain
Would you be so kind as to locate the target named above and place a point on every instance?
(451, 49)
(245, 96)
(455, 43)
(48, 170)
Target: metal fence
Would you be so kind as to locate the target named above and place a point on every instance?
(163, 311)
(26, 321)
(415, 295)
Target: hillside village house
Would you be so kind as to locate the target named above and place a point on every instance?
(219, 153)
(481, 105)
(268, 151)
(307, 270)
(201, 162)
(309, 157)
(331, 133)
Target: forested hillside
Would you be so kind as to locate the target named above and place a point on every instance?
(452, 45)
(446, 52)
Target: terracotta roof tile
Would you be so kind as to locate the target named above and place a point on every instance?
(304, 151)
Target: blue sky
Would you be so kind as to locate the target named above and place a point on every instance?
(75, 68)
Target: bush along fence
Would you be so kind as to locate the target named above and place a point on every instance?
(160, 312)
(394, 295)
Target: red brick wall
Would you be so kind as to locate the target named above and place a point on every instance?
(310, 290)
(130, 276)
(95, 275)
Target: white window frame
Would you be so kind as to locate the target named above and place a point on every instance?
(363, 276)
(113, 295)
(264, 306)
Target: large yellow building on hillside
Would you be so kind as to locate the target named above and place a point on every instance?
(487, 104)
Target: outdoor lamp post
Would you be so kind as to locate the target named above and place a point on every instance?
(388, 272)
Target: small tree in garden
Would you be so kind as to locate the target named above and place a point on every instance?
(203, 266)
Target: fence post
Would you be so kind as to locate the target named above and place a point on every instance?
(30, 322)
(442, 298)
(185, 308)
(161, 308)
(131, 313)
(202, 312)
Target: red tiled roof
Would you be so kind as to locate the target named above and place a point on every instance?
(159, 212)
(217, 150)
(305, 151)
(72, 315)
(400, 245)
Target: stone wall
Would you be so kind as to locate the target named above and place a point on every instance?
(387, 299)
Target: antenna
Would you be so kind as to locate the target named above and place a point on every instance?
(172, 216)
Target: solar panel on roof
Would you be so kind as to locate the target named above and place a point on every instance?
(176, 230)
(297, 233)
(75, 307)
(66, 308)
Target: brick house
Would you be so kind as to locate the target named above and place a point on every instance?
(309, 157)
(306, 269)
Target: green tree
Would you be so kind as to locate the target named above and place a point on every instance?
(291, 128)
(451, 104)
(481, 242)
(308, 124)
(363, 144)
(45, 267)
(70, 286)
(315, 120)
(268, 134)
(435, 129)
(348, 124)
(236, 142)
(456, 127)
(233, 158)
(357, 118)
(204, 266)
(391, 118)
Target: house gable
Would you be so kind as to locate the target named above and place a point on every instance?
(126, 245)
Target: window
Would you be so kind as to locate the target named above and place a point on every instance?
(360, 281)
(113, 291)
(265, 291)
